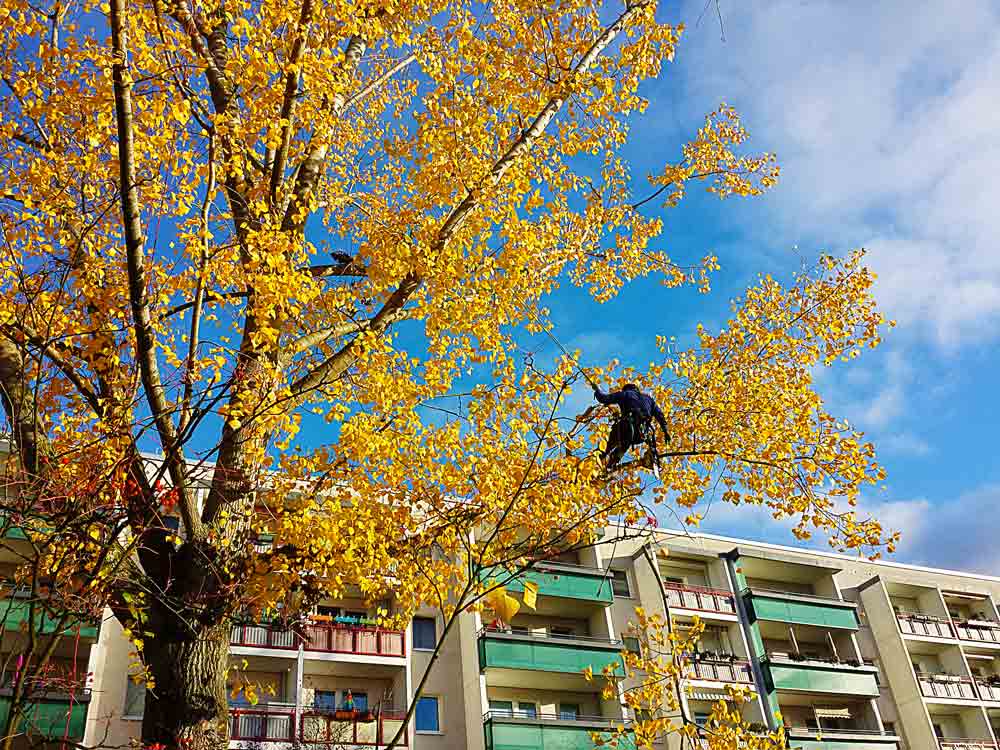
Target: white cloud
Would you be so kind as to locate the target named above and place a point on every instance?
(904, 444)
(884, 119)
(958, 534)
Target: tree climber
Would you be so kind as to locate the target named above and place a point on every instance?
(634, 425)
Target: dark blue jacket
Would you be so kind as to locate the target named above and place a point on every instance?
(637, 402)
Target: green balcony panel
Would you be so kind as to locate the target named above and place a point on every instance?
(16, 612)
(801, 610)
(565, 581)
(570, 655)
(51, 718)
(843, 744)
(524, 734)
(820, 678)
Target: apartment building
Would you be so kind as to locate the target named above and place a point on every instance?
(845, 654)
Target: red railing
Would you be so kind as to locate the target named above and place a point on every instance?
(946, 686)
(721, 670)
(345, 639)
(319, 727)
(263, 636)
(914, 623)
(699, 597)
(263, 723)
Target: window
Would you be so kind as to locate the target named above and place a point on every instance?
(527, 710)
(890, 727)
(325, 699)
(135, 698)
(619, 583)
(561, 632)
(427, 719)
(672, 579)
(632, 644)
(326, 611)
(701, 719)
(569, 711)
(360, 699)
(502, 708)
(424, 633)
(172, 523)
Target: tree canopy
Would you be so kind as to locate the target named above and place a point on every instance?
(222, 220)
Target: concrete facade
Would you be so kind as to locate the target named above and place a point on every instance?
(844, 653)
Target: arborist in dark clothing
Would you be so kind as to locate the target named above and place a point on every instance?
(634, 425)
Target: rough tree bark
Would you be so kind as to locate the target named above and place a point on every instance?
(189, 673)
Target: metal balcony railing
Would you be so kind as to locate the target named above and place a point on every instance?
(988, 691)
(966, 744)
(596, 721)
(917, 623)
(263, 636)
(270, 722)
(833, 734)
(276, 722)
(347, 639)
(700, 597)
(721, 670)
(946, 686)
(978, 630)
(322, 726)
(492, 632)
(324, 637)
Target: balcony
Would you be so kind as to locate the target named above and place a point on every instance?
(545, 653)
(946, 687)
(328, 727)
(347, 639)
(53, 716)
(964, 744)
(265, 722)
(16, 613)
(720, 670)
(783, 672)
(800, 609)
(980, 631)
(275, 722)
(263, 636)
(559, 579)
(703, 600)
(329, 638)
(803, 738)
(988, 690)
(930, 626)
(546, 731)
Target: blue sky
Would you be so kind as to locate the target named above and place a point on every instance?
(884, 119)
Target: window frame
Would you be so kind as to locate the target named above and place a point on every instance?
(437, 715)
(625, 579)
(433, 622)
(562, 710)
(131, 684)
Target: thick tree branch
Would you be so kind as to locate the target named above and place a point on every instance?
(333, 366)
(289, 97)
(145, 337)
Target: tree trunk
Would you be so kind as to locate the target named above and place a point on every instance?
(186, 707)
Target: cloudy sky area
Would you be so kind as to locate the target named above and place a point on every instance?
(884, 117)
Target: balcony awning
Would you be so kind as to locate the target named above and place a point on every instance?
(708, 695)
(833, 713)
